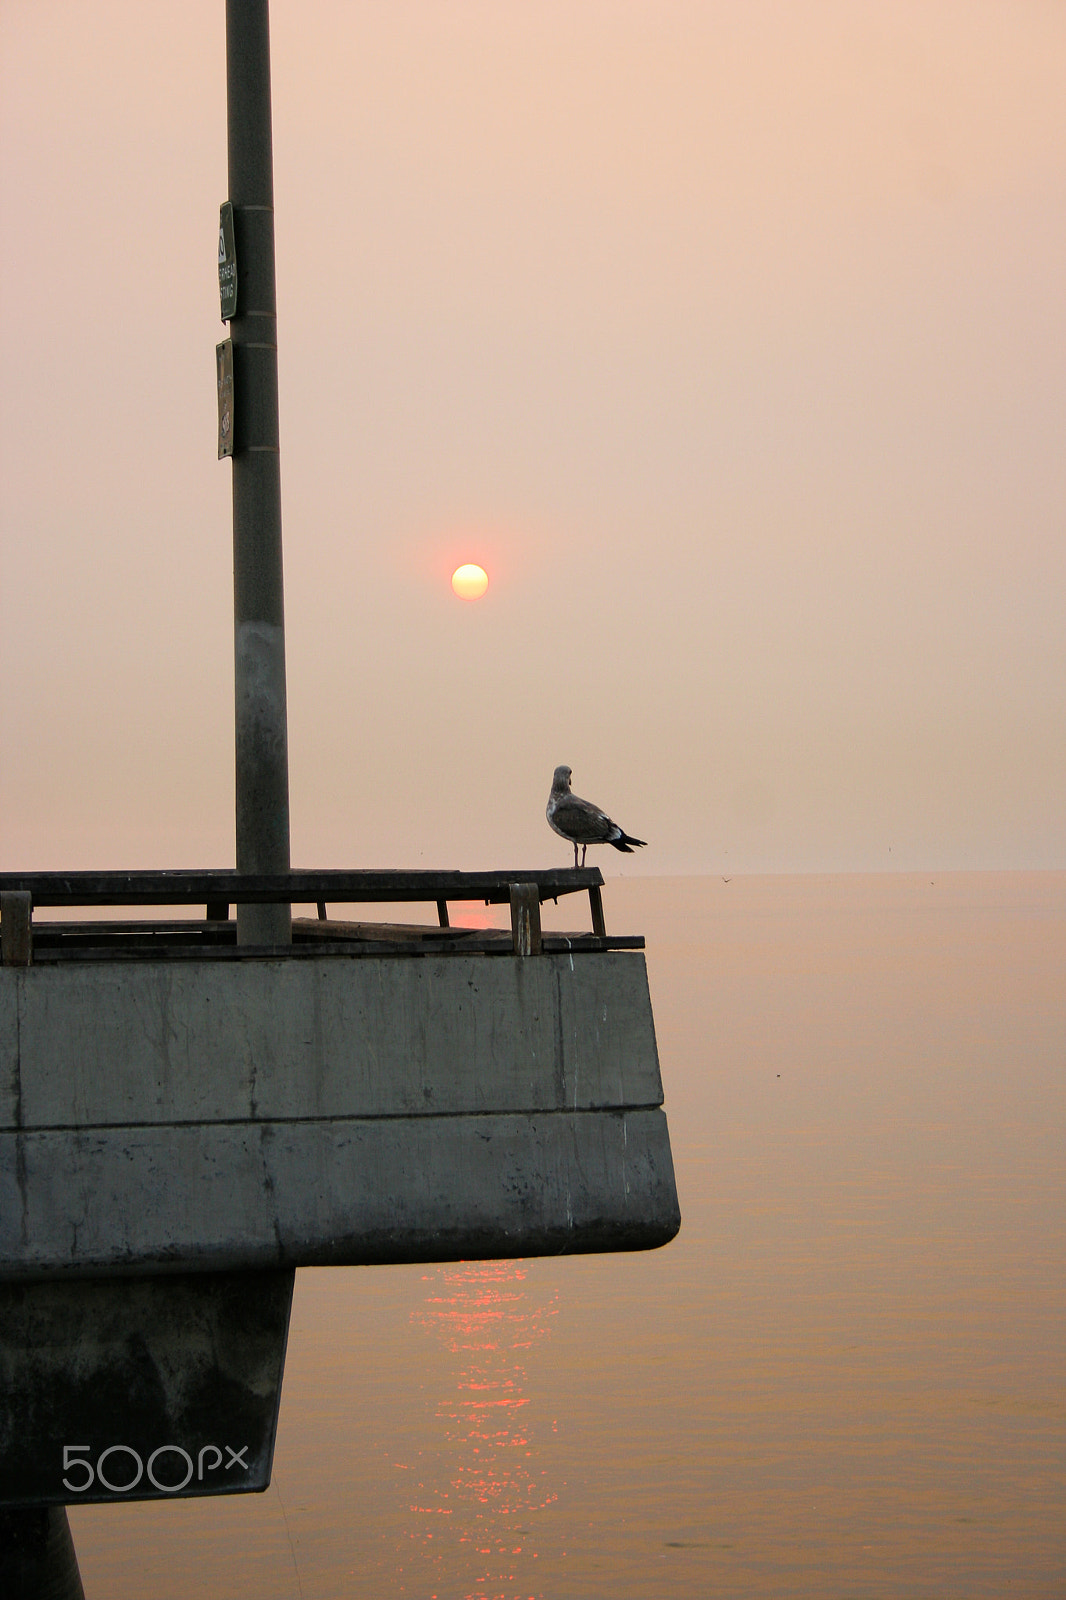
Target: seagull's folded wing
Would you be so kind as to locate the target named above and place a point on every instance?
(579, 820)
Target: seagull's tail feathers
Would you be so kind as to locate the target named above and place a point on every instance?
(625, 842)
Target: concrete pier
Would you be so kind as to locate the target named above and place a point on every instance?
(140, 1388)
(200, 1115)
(37, 1559)
(178, 1135)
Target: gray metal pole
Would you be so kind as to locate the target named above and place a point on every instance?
(258, 597)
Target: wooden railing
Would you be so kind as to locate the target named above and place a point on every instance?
(525, 890)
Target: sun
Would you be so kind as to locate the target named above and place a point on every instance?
(470, 581)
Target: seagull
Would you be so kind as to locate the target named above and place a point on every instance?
(581, 822)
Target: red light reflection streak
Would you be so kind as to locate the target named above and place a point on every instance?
(483, 1315)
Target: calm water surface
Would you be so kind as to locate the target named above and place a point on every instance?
(846, 1377)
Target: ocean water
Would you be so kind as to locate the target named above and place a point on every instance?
(847, 1376)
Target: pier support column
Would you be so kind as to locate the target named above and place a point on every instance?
(262, 769)
(37, 1557)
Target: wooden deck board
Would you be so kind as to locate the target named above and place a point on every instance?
(337, 887)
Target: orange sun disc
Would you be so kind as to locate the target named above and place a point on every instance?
(470, 582)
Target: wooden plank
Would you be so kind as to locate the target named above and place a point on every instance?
(525, 919)
(146, 941)
(309, 928)
(144, 927)
(306, 888)
(482, 942)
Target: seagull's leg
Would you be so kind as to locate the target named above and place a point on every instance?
(575, 852)
(584, 847)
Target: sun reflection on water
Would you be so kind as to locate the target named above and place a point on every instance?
(476, 1506)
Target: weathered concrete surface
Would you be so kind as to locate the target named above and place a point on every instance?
(37, 1560)
(334, 1193)
(192, 1041)
(140, 1388)
(207, 1116)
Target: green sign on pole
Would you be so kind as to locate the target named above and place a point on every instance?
(227, 263)
(224, 375)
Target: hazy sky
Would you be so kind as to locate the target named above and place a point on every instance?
(729, 337)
